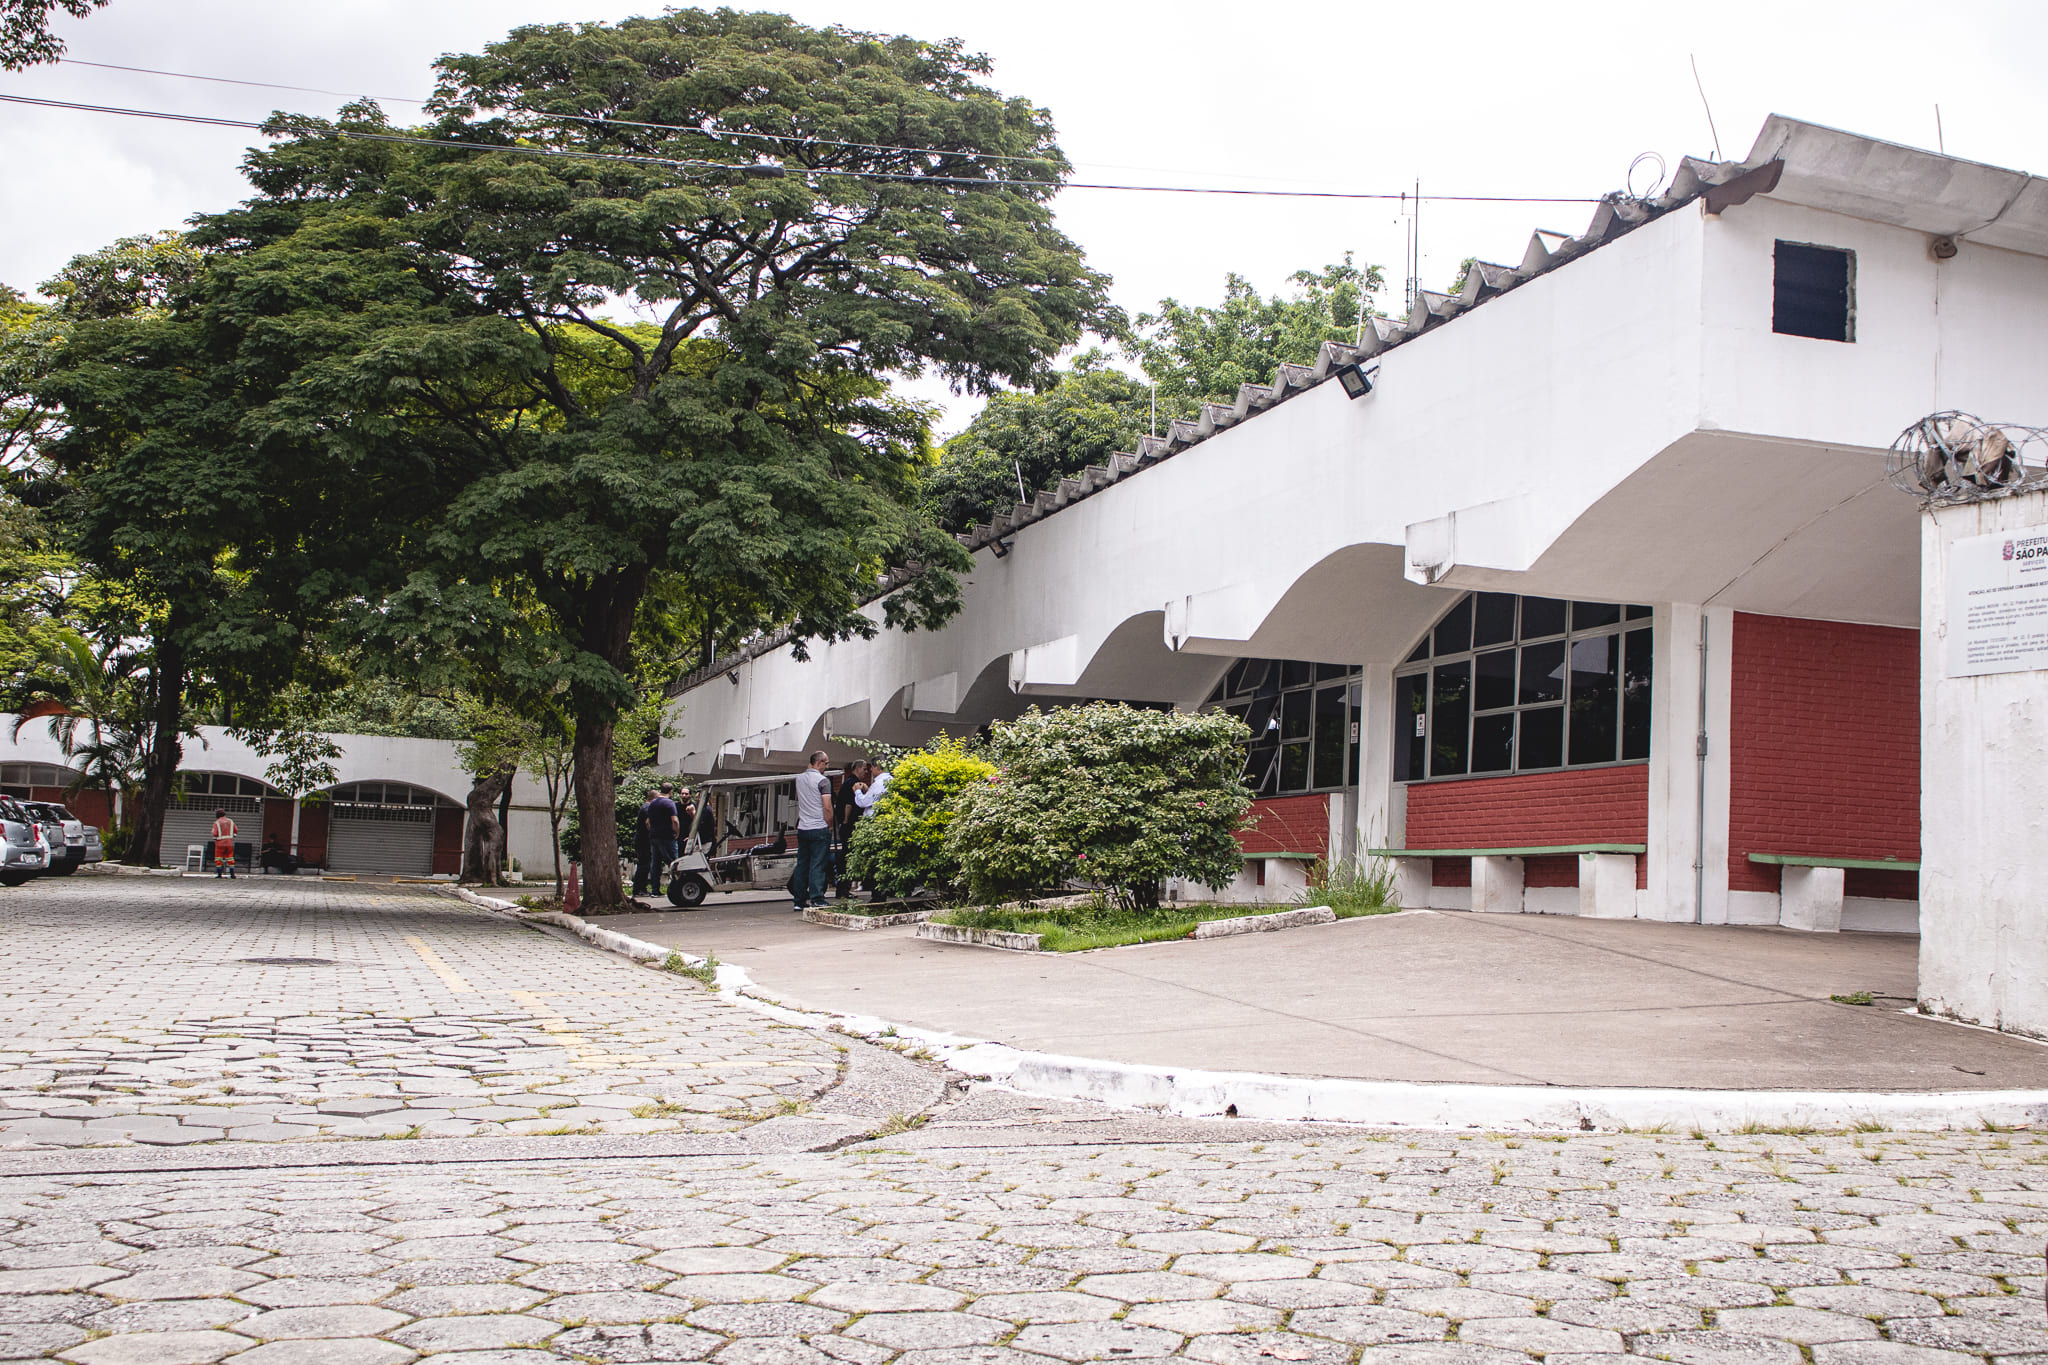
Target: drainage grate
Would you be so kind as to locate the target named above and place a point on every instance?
(288, 961)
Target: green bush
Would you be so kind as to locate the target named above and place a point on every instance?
(1110, 794)
(901, 843)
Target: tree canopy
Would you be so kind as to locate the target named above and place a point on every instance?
(1201, 353)
(1035, 439)
(608, 337)
(25, 37)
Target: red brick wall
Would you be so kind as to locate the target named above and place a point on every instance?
(1528, 810)
(1823, 748)
(1288, 824)
(1582, 806)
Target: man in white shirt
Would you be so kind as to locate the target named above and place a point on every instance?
(878, 783)
(813, 870)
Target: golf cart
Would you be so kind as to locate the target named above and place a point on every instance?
(744, 839)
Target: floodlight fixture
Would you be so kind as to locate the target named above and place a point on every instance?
(1357, 380)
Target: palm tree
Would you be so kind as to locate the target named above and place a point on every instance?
(89, 696)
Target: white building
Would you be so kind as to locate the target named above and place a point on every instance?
(1600, 595)
(396, 805)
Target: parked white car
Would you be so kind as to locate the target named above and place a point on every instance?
(24, 850)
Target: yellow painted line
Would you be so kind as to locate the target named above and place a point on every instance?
(440, 968)
(556, 1026)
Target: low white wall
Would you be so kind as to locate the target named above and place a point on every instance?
(1983, 804)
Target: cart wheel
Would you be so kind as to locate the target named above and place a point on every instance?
(688, 892)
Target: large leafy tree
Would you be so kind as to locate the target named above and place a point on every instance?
(1032, 440)
(788, 214)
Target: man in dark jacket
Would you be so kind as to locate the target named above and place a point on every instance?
(641, 850)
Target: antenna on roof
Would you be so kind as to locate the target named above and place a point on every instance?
(1940, 144)
(1701, 87)
(1414, 262)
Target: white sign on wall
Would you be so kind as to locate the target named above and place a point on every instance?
(1998, 603)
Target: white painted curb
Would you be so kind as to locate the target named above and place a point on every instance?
(1384, 1104)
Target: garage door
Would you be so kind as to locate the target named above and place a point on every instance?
(366, 838)
(190, 821)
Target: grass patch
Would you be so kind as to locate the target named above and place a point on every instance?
(1353, 887)
(705, 971)
(1100, 923)
(1852, 998)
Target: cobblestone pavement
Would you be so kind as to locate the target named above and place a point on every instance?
(1848, 1249)
(172, 1011)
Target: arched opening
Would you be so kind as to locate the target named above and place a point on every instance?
(255, 806)
(388, 827)
(49, 782)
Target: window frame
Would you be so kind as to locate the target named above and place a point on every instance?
(1347, 679)
(1421, 661)
(1780, 286)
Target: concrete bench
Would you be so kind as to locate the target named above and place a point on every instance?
(1810, 887)
(1607, 876)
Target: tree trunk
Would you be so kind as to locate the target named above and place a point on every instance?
(483, 838)
(505, 824)
(603, 617)
(597, 813)
(166, 751)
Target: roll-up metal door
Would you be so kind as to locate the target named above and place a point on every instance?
(370, 838)
(190, 821)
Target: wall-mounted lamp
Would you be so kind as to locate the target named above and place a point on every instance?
(1357, 380)
(733, 677)
(1001, 547)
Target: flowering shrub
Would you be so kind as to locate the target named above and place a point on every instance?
(901, 843)
(1110, 794)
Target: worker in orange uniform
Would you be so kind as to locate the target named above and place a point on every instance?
(223, 844)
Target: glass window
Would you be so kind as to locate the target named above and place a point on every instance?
(1542, 738)
(1420, 652)
(1540, 683)
(1493, 681)
(1596, 693)
(1635, 695)
(1493, 619)
(1411, 726)
(1450, 708)
(1593, 615)
(1542, 616)
(1294, 715)
(1303, 715)
(1542, 673)
(1493, 743)
(1332, 730)
(1454, 632)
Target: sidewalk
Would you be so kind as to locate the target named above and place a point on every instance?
(1425, 997)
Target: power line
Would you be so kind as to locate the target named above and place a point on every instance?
(972, 182)
(231, 80)
(712, 131)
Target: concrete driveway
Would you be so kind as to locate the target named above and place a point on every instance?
(1420, 996)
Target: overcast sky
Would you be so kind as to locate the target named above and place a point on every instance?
(1506, 99)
